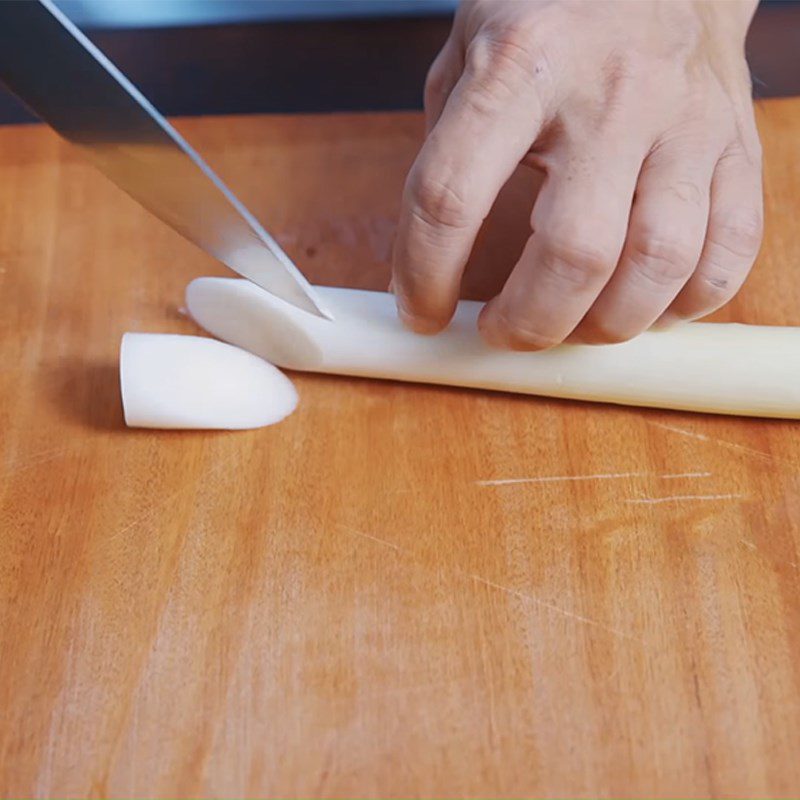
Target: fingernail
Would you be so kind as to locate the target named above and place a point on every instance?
(405, 317)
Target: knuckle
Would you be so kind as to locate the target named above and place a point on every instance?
(435, 80)
(663, 259)
(753, 150)
(738, 233)
(688, 191)
(689, 144)
(747, 150)
(501, 62)
(519, 334)
(436, 203)
(500, 47)
(412, 281)
(579, 259)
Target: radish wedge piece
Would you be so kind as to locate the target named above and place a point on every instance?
(171, 381)
(748, 370)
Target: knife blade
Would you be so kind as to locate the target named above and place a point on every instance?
(68, 82)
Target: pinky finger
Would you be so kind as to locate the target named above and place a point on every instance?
(733, 238)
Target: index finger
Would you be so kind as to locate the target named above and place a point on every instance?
(490, 120)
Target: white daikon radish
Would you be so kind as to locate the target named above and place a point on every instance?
(171, 381)
(717, 368)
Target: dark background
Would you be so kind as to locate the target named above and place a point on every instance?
(342, 65)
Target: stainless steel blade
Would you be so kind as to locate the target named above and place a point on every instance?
(63, 78)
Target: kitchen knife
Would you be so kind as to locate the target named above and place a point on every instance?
(64, 79)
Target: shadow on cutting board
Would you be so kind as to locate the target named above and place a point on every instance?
(86, 393)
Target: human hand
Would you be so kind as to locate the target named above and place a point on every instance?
(640, 115)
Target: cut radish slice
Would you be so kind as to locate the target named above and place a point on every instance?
(171, 381)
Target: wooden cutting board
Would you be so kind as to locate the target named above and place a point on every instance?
(402, 590)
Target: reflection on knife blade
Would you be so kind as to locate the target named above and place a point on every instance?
(56, 71)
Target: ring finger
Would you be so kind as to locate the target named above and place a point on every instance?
(663, 245)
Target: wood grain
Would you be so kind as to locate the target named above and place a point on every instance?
(401, 590)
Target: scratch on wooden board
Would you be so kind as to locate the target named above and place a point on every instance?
(681, 431)
(557, 609)
(367, 536)
(151, 512)
(36, 459)
(683, 498)
(749, 544)
(508, 590)
(611, 476)
(701, 437)
(604, 476)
